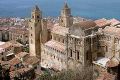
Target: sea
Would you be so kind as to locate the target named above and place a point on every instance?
(93, 9)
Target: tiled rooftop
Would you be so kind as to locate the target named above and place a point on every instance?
(55, 45)
(112, 30)
(15, 43)
(22, 54)
(60, 30)
(21, 71)
(5, 45)
(14, 61)
(102, 22)
(113, 62)
(106, 76)
(31, 60)
(114, 21)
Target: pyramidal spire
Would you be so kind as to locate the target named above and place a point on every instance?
(36, 8)
(65, 5)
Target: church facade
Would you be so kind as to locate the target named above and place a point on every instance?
(72, 45)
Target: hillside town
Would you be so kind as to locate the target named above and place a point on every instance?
(30, 47)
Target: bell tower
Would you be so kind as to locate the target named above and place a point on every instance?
(66, 19)
(35, 32)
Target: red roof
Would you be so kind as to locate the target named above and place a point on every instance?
(102, 22)
(55, 45)
(14, 61)
(113, 62)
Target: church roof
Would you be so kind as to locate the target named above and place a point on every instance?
(85, 24)
(60, 30)
(55, 45)
(78, 29)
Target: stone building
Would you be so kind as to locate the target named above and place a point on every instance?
(35, 31)
(4, 34)
(14, 33)
(9, 49)
(72, 45)
(38, 32)
(19, 34)
(66, 19)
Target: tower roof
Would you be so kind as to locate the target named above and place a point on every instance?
(65, 6)
(36, 8)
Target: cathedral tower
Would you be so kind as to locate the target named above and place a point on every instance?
(66, 19)
(34, 32)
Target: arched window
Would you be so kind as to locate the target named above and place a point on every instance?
(32, 16)
(38, 17)
(2, 59)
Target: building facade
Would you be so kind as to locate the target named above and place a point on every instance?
(72, 45)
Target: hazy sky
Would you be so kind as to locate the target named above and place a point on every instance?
(85, 8)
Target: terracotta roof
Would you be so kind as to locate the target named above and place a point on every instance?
(22, 54)
(85, 24)
(112, 30)
(15, 43)
(19, 71)
(50, 25)
(23, 70)
(12, 68)
(55, 45)
(113, 62)
(14, 61)
(18, 31)
(14, 29)
(114, 21)
(4, 62)
(31, 60)
(102, 22)
(60, 30)
(9, 43)
(106, 76)
(6, 45)
(4, 28)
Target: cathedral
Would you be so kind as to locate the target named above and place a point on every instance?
(71, 45)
